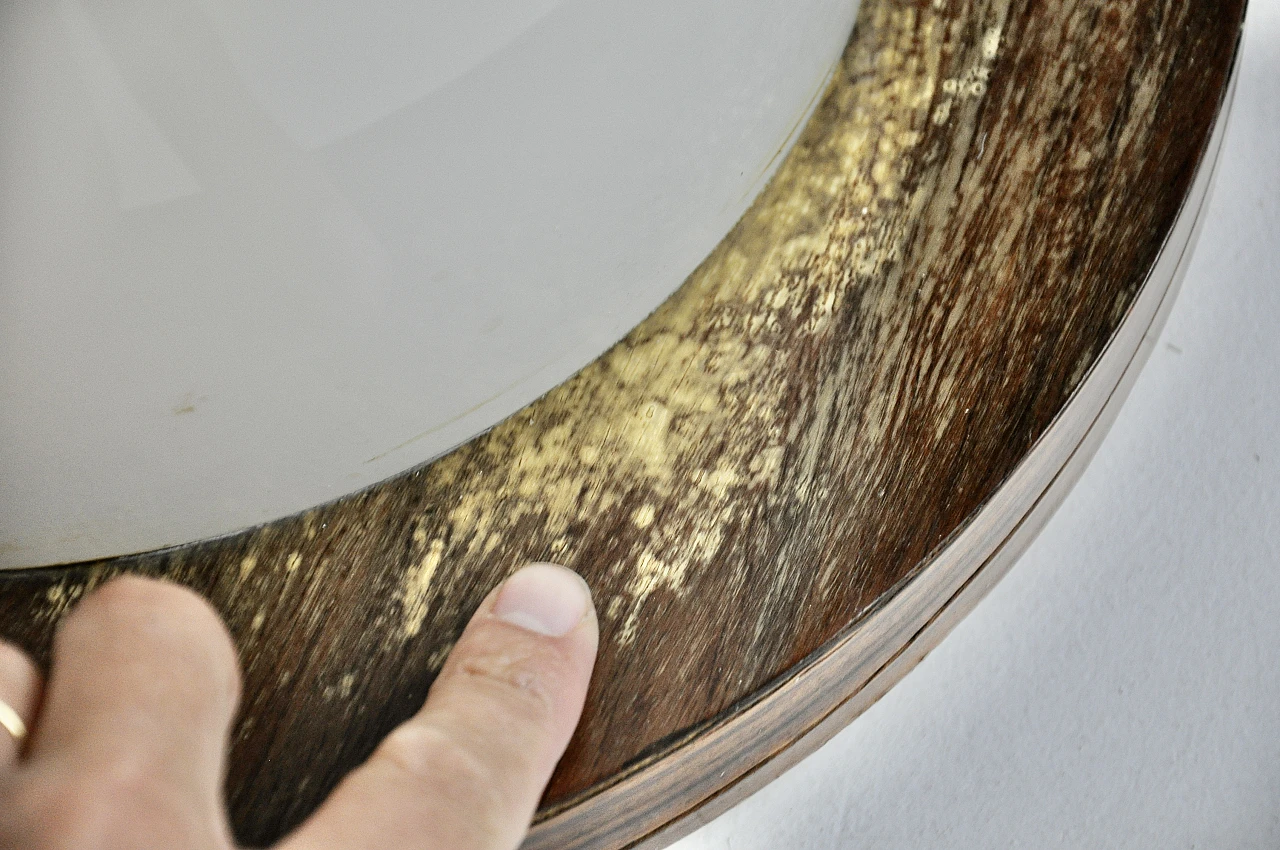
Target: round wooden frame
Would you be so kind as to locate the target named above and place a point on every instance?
(793, 478)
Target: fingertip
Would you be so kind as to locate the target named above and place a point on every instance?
(152, 595)
(546, 599)
(141, 612)
(527, 657)
(555, 629)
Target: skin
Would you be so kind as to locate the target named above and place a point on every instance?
(127, 741)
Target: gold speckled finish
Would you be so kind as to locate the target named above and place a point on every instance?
(785, 475)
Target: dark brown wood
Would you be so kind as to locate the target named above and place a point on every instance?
(790, 480)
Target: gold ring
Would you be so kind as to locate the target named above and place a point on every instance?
(12, 723)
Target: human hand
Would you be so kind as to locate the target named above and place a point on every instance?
(126, 748)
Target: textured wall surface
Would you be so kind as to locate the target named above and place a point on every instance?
(1121, 687)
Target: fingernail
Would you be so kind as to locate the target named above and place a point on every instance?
(545, 599)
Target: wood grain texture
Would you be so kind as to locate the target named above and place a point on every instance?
(797, 465)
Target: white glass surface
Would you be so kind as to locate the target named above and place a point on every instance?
(255, 256)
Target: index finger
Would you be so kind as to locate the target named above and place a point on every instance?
(467, 771)
(131, 739)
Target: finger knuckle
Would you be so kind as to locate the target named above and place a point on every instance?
(520, 682)
(429, 756)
